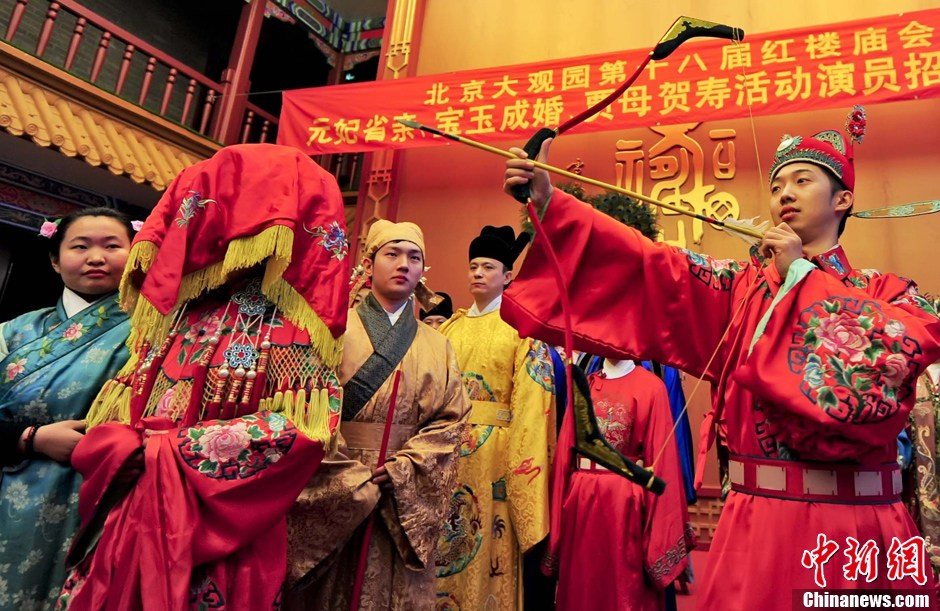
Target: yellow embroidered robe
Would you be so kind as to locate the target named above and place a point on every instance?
(325, 526)
(924, 428)
(499, 508)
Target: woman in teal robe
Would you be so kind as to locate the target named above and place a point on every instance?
(54, 362)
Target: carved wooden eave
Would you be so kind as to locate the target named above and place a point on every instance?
(60, 111)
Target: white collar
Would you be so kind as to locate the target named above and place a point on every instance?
(490, 307)
(394, 316)
(73, 303)
(612, 372)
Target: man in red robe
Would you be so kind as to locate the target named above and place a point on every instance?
(813, 371)
(641, 539)
(201, 444)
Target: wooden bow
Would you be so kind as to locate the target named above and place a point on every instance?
(590, 442)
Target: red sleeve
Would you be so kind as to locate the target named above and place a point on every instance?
(99, 456)
(665, 541)
(630, 297)
(207, 491)
(257, 464)
(837, 366)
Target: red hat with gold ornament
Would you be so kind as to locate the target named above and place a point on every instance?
(829, 149)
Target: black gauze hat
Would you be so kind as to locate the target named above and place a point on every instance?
(445, 308)
(499, 243)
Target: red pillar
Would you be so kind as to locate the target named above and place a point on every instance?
(235, 78)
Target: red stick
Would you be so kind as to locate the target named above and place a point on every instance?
(367, 535)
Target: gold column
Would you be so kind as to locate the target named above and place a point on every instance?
(377, 189)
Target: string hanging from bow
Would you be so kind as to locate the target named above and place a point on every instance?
(589, 440)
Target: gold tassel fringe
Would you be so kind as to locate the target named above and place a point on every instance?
(113, 404)
(274, 244)
(309, 415)
(140, 258)
(298, 311)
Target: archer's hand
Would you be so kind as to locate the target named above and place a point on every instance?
(521, 171)
(784, 245)
(383, 480)
(58, 440)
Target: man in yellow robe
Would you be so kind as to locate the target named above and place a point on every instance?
(412, 489)
(499, 507)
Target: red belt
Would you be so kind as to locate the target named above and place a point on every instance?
(822, 482)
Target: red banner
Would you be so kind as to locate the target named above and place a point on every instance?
(891, 58)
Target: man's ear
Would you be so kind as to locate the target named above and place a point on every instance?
(844, 200)
(507, 277)
(367, 266)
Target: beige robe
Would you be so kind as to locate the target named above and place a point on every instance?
(325, 526)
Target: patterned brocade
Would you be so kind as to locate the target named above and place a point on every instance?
(324, 527)
(499, 508)
(54, 369)
(926, 501)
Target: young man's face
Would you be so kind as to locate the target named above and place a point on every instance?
(801, 195)
(488, 278)
(396, 270)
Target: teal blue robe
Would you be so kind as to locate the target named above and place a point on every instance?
(54, 368)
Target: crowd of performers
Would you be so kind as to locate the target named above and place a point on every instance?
(202, 421)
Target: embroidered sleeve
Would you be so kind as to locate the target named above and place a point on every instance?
(667, 536)
(837, 364)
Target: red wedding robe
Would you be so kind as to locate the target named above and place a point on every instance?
(637, 537)
(204, 526)
(634, 298)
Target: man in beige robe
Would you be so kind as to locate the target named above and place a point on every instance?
(411, 490)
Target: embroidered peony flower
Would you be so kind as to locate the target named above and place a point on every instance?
(696, 258)
(164, 407)
(137, 225)
(221, 443)
(843, 335)
(894, 328)
(813, 371)
(203, 330)
(75, 331)
(277, 422)
(15, 368)
(721, 264)
(48, 229)
(895, 370)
